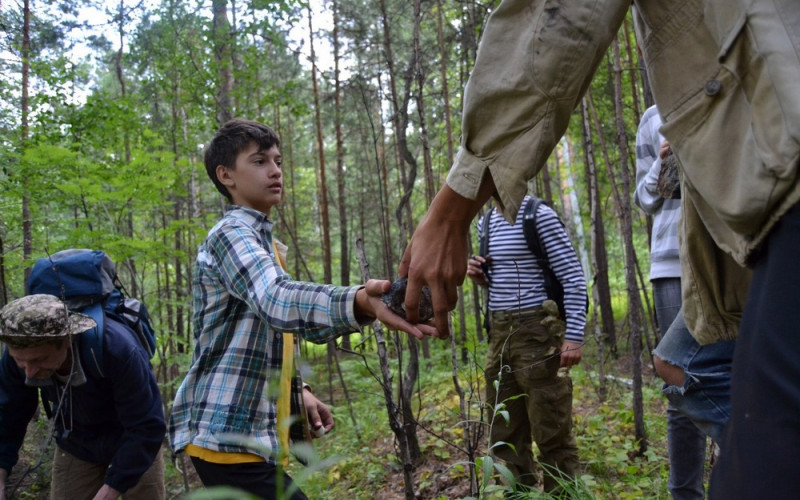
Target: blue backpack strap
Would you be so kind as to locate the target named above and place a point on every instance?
(91, 341)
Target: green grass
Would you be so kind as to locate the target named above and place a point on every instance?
(364, 454)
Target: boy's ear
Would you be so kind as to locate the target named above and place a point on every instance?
(224, 175)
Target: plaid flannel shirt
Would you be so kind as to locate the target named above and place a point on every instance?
(242, 301)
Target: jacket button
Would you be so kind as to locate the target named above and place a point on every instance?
(713, 87)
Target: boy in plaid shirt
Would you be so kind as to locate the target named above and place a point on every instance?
(243, 300)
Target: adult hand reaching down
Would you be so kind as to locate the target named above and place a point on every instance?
(437, 254)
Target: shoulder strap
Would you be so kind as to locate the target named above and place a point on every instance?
(290, 393)
(90, 342)
(483, 248)
(530, 230)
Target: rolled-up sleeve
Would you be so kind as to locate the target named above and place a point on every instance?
(535, 62)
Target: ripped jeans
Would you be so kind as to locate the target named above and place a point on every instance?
(705, 397)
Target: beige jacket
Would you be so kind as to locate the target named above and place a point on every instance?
(722, 73)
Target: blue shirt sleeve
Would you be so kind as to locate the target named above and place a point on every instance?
(137, 402)
(17, 405)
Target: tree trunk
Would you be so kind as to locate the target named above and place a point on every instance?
(394, 413)
(3, 284)
(381, 182)
(598, 256)
(128, 228)
(27, 238)
(407, 385)
(420, 75)
(629, 51)
(473, 428)
(223, 54)
(344, 237)
(443, 75)
(571, 213)
(634, 300)
(289, 221)
(322, 189)
(403, 214)
(323, 182)
(547, 190)
(400, 124)
(601, 280)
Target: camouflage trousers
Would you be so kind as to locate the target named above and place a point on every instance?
(525, 358)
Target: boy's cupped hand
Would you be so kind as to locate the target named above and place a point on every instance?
(369, 303)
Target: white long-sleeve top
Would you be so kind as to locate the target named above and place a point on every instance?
(664, 258)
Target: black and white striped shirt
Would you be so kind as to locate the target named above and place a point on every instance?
(517, 282)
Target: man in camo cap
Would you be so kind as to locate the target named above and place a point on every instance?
(39, 319)
(108, 421)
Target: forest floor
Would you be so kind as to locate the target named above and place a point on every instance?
(359, 461)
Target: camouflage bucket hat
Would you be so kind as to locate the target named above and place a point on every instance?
(35, 319)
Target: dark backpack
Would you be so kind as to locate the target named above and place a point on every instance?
(86, 280)
(555, 291)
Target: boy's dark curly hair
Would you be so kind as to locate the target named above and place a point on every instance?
(231, 140)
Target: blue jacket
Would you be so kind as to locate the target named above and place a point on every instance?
(116, 418)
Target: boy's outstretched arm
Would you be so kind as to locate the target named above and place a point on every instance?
(437, 253)
(369, 304)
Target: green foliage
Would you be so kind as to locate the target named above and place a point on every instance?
(124, 172)
(220, 493)
(611, 468)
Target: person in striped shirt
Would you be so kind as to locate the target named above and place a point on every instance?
(525, 356)
(686, 443)
(224, 416)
